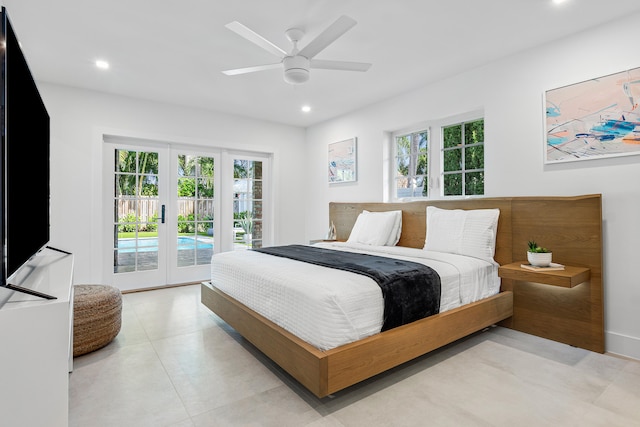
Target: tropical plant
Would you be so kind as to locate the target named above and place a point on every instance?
(186, 224)
(144, 166)
(127, 223)
(536, 249)
(246, 222)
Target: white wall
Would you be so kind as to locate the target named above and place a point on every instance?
(511, 94)
(80, 117)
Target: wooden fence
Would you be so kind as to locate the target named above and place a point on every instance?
(148, 208)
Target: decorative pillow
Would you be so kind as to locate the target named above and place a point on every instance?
(377, 228)
(463, 232)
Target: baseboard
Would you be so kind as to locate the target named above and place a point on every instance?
(154, 288)
(622, 345)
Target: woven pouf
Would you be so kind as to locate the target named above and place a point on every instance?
(97, 317)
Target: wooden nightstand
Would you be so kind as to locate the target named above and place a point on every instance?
(568, 278)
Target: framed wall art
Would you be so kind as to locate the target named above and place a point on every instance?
(342, 161)
(593, 119)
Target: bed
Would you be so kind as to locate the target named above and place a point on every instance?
(353, 354)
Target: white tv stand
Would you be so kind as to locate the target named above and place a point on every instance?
(36, 343)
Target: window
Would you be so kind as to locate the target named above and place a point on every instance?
(460, 171)
(463, 158)
(411, 160)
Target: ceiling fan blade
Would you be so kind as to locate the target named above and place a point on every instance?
(246, 70)
(328, 36)
(340, 65)
(256, 38)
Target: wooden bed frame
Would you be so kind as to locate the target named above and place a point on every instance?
(571, 226)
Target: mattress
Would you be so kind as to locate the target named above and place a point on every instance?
(327, 307)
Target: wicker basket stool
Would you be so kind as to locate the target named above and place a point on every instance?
(97, 317)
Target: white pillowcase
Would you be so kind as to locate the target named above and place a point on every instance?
(463, 232)
(377, 228)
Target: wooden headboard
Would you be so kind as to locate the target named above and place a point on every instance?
(570, 226)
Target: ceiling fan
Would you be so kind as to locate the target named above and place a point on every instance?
(296, 64)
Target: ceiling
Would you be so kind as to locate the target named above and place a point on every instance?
(175, 51)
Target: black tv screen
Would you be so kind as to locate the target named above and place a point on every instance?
(25, 159)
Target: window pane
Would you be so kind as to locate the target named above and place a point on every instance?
(205, 188)
(452, 136)
(205, 209)
(411, 164)
(186, 165)
(402, 188)
(125, 161)
(147, 208)
(402, 166)
(453, 184)
(403, 146)
(474, 157)
(186, 209)
(149, 185)
(256, 169)
(148, 162)
(240, 168)
(421, 187)
(474, 183)
(422, 142)
(452, 160)
(257, 189)
(125, 185)
(126, 214)
(186, 187)
(257, 210)
(421, 168)
(474, 132)
(206, 166)
(207, 225)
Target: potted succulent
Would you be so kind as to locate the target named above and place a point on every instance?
(537, 255)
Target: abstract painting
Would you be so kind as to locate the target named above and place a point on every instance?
(342, 161)
(594, 119)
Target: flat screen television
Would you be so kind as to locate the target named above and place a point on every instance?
(24, 169)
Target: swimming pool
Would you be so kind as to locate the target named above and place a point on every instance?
(150, 244)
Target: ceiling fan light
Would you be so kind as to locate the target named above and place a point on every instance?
(296, 76)
(296, 69)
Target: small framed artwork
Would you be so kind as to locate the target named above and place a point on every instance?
(342, 161)
(593, 119)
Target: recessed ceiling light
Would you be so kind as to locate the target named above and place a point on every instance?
(103, 65)
(559, 1)
(306, 108)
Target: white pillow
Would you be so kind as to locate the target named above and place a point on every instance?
(377, 228)
(463, 232)
(394, 235)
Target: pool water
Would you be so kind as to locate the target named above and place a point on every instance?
(149, 244)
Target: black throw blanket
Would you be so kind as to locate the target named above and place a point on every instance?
(411, 291)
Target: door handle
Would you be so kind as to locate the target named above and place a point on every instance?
(162, 215)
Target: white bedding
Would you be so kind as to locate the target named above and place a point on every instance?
(327, 307)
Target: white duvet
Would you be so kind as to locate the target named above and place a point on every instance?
(327, 307)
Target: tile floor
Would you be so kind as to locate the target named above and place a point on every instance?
(175, 363)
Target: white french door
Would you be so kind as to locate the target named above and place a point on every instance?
(135, 190)
(193, 213)
(170, 208)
